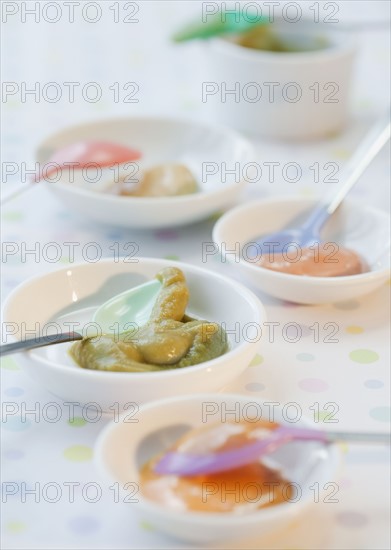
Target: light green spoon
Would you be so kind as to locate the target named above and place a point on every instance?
(220, 23)
(130, 308)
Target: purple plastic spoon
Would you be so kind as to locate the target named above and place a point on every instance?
(186, 464)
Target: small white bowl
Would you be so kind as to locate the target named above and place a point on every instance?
(71, 295)
(354, 225)
(119, 454)
(201, 147)
(294, 95)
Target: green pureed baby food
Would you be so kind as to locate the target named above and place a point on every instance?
(169, 340)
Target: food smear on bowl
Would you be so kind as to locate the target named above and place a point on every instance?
(170, 339)
(265, 38)
(239, 490)
(163, 180)
(325, 260)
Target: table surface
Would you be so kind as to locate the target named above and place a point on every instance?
(350, 372)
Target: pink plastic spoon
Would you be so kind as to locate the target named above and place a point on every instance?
(78, 156)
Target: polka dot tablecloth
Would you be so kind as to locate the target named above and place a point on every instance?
(331, 360)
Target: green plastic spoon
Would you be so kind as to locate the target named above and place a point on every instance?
(220, 23)
(128, 309)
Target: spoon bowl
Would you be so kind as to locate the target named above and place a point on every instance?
(130, 308)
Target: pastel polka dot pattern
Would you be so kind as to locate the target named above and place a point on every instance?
(167, 235)
(84, 525)
(14, 454)
(16, 424)
(373, 384)
(14, 392)
(363, 356)
(352, 373)
(77, 422)
(8, 363)
(16, 527)
(351, 519)
(313, 385)
(78, 453)
(354, 329)
(382, 414)
(146, 526)
(305, 357)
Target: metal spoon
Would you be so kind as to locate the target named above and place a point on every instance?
(186, 464)
(133, 306)
(81, 155)
(308, 233)
(39, 342)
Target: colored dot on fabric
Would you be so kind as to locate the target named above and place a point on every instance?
(146, 525)
(77, 422)
(16, 527)
(14, 392)
(341, 153)
(305, 357)
(166, 235)
(78, 453)
(373, 384)
(354, 329)
(14, 454)
(9, 364)
(254, 386)
(314, 385)
(13, 216)
(348, 305)
(382, 414)
(363, 356)
(16, 424)
(351, 519)
(258, 359)
(83, 525)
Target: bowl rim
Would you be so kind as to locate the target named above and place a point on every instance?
(237, 287)
(288, 277)
(198, 196)
(212, 518)
(347, 45)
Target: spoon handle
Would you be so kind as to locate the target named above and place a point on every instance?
(15, 193)
(371, 145)
(39, 342)
(358, 437)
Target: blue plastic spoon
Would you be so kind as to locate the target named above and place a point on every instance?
(308, 233)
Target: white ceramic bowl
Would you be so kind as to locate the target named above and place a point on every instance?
(71, 295)
(201, 147)
(354, 225)
(119, 455)
(301, 95)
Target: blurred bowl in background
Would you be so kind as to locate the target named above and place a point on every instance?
(203, 148)
(289, 95)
